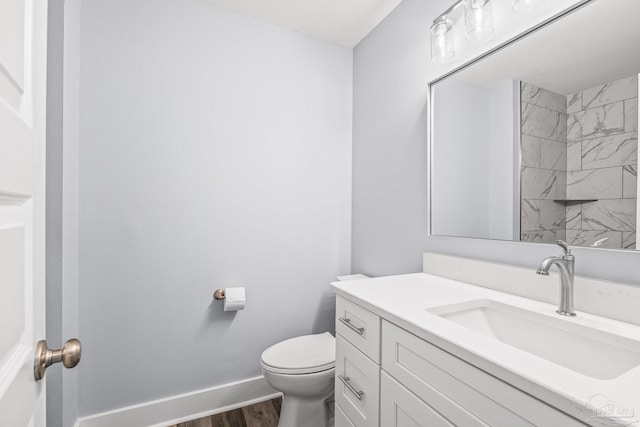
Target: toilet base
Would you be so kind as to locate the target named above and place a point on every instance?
(304, 397)
(305, 412)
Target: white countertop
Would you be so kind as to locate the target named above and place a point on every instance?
(404, 300)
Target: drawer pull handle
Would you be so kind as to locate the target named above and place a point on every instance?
(345, 381)
(347, 322)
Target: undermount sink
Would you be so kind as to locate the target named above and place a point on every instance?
(588, 351)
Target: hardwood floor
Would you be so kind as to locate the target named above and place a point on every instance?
(264, 414)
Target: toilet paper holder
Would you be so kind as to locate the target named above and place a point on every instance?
(233, 299)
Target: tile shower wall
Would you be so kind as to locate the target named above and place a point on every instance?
(602, 164)
(585, 152)
(544, 164)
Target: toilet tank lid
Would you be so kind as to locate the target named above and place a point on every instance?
(311, 353)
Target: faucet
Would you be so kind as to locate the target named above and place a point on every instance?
(565, 263)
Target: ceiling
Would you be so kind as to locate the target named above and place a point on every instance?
(345, 22)
(594, 45)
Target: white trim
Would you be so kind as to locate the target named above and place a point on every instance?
(185, 407)
(70, 386)
(637, 167)
(517, 158)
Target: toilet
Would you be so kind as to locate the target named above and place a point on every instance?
(302, 368)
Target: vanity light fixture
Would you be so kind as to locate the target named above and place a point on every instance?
(525, 5)
(478, 24)
(442, 40)
(478, 19)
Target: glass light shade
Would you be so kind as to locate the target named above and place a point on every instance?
(442, 40)
(524, 6)
(478, 19)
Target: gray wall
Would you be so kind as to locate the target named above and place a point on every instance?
(391, 72)
(475, 162)
(389, 141)
(215, 151)
(503, 180)
(463, 164)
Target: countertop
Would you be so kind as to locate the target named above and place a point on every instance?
(405, 299)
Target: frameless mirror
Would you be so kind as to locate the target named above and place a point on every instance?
(539, 140)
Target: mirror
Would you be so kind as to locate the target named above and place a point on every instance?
(539, 140)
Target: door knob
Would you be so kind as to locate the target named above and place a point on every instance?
(69, 355)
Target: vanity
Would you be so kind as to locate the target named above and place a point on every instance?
(426, 350)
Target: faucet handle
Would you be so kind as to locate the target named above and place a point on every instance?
(564, 246)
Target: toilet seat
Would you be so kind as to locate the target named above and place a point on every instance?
(301, 355)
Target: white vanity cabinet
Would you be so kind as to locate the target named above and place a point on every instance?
(462, 393)
(401, 408)
(408, 382)
(357, 390)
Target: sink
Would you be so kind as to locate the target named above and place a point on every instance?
(591, 352)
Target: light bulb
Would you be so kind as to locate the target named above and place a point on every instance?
(442, 40)
(525, 6)
(478, 19)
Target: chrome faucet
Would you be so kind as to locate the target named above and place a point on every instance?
(565, 263)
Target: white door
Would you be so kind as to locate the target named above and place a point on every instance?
(23, 54)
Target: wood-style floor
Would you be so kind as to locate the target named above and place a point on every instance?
(264, 414)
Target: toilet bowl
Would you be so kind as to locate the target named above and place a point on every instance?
(302, 368)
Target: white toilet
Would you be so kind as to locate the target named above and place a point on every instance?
(302, 368)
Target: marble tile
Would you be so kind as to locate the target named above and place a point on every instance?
(573, 214)
(530, 151)
(610, 92)
(631, 115)
(574, 103)
(594, 184)
(561, 131)
(541, 122)
(592, 123)
(539, 183)
(630, 182)
(561, 234)
(552, 215)
(539, 236)
(614, 215)
(609, 151)
(628, 240)
(590, 238)
(574, 156)
(561, 190)
(530, 215)
(541, 97)
(553, 155)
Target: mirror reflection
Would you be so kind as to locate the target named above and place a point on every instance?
(538, 142)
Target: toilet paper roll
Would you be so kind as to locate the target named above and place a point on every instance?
(234, 299)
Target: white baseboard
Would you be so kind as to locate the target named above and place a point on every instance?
(185, 407)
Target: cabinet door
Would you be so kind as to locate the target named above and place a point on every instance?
(357, 384)
(461, 392)
(401, 408)
(341, 419)
(359, 326)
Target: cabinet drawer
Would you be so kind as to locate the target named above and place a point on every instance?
(401, 408)
(357, 384)
(459, 391)
(359, 326)
(341, 419)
